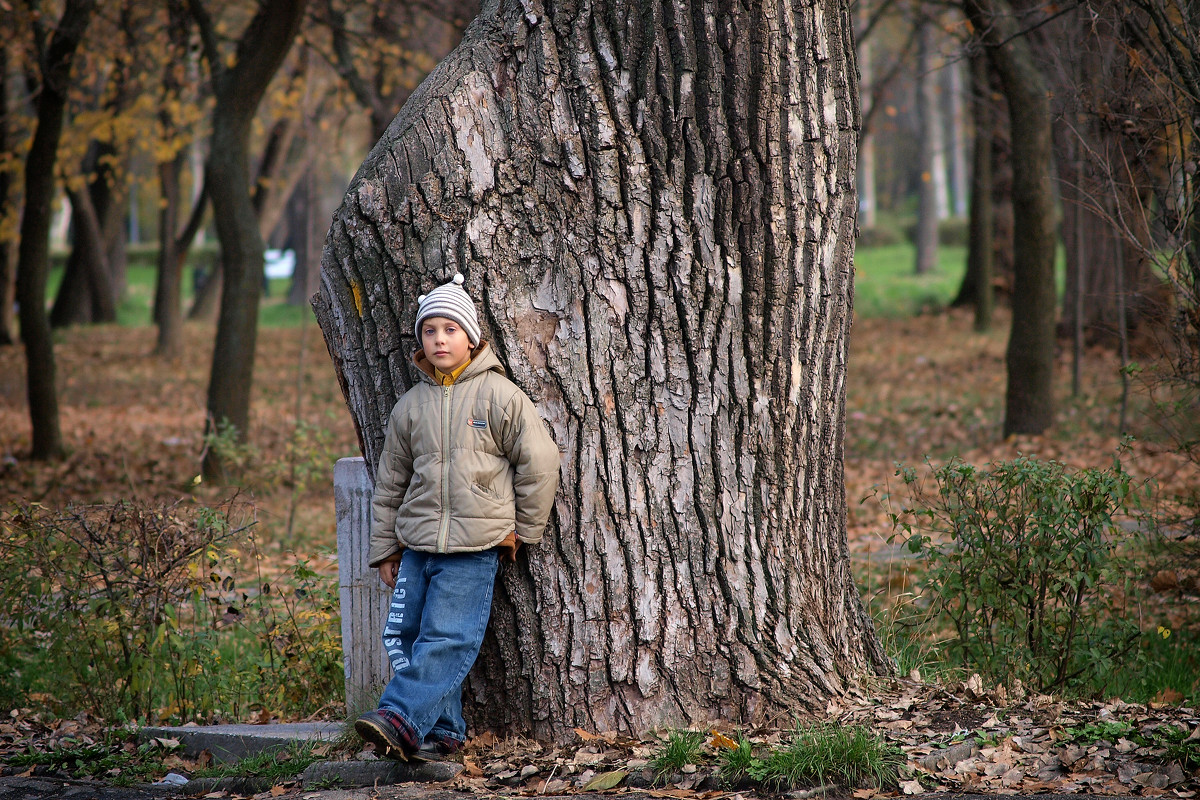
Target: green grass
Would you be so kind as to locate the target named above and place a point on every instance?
(135, 307)
(1169, 664)
(823, 753)
(736, 762)
(886, 284)
(274, 765)
(117, 759)
(681, 748)
(1173, 743)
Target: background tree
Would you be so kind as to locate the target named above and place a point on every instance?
(978, 280)
(56, 55)
(1029, 397)
(238, 89)
(655, 205)
(886, 42)
(176, 123)
(9, 204)
(932, 159)
(1103, 110)
(383, 50)
(111, 116)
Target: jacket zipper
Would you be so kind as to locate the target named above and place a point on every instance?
(444, 528)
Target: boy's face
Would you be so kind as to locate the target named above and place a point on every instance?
(446, 344)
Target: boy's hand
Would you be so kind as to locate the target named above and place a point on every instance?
(388, 570)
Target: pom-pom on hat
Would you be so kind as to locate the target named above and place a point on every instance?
(451, 301)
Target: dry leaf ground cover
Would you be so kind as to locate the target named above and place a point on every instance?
(917, 387)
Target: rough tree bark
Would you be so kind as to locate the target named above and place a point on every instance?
(655, 205)
(33, 261)
(1029, 398)
(238, 90)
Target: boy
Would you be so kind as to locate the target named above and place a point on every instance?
(467, 473)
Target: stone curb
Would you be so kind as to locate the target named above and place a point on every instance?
(230, 743)
(352, 774)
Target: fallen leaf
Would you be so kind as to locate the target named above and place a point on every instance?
(485, 739)
(911, 787)
(605, 781)
(278, 790)
(721, 740)
(1166, 697)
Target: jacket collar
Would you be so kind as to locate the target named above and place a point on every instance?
(483, 359)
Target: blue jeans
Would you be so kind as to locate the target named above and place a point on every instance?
(439, 612)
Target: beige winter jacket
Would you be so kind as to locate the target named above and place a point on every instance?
(463, 465)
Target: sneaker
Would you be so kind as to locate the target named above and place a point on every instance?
(388, 732)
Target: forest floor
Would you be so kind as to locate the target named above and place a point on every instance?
(925, 386)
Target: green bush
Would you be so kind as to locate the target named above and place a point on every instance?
(140, 612)
(1020, 560)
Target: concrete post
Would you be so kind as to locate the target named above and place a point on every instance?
(364, 598)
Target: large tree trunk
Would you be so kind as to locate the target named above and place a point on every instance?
(1029, 399)
(655, 205)
(33, 265)
(238, 90)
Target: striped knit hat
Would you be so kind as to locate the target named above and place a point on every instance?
(451, 301)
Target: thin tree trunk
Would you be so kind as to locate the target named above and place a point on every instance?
(961, 178)
(927, 111)
(304, 214)
(168, 290)
(110, 202)
(206, 302)
(656, 210)
(168, 297)
(238, 90)
(34, 255)
(1029, 398)
(868, 204)
(8, 293)
(8, 210)
(981, 247)
(86, 294)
